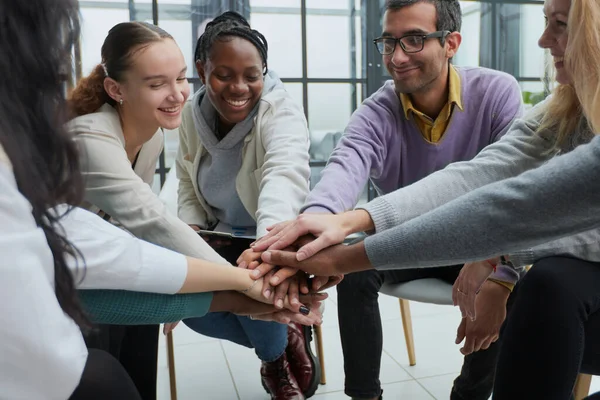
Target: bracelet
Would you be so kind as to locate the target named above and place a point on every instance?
(249, 287)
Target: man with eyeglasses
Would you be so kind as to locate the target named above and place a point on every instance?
(430, 115)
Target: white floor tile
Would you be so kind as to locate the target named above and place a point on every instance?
(409, 390)
(184, 335)
(207, 368)
(201, 372)
(435, 350)
(595, 386)
(330, 396)
(438, 386)
(245, 369)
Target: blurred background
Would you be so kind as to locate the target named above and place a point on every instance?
(322, 51)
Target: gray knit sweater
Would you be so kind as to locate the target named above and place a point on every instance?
(471, 211)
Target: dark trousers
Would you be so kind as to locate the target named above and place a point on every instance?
(136, 348)
(104, 378)
(362, 336)
(552, 332)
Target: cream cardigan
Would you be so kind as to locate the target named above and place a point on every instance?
(111, 185)
(273, 180)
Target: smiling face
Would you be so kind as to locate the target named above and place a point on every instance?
(416, 72)
(555, 36)
(233, 75)
(154, 87)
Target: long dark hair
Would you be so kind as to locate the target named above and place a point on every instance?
(36, 38)
(123, 41)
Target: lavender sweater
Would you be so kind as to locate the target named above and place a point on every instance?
(381, 144)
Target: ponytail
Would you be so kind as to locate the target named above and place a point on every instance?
(89, 94)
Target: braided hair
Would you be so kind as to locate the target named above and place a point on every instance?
(225, 26)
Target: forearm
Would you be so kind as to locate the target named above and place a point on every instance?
(558, 199)
(138, 308)
(356, 221)
(204, 276)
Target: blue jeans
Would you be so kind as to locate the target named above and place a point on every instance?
(268, 339)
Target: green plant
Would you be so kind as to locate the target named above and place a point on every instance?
(533, 97)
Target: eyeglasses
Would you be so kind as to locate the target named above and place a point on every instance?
(410, 43)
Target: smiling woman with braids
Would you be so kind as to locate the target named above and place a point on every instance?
(243, 161)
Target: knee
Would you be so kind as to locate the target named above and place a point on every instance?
(360, 284)
(543, 277)
(545, 282)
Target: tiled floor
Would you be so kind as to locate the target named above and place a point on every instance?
(210, 369)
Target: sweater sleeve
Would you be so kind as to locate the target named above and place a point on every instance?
(507, 108)
(555, 200)
(517, 151)
(359, 154)
(112, 185)
(284, 176)
(585, 246)
(137, 308)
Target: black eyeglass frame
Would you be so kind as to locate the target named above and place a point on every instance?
(437, 34)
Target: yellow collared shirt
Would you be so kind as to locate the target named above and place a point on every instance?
(432, 130)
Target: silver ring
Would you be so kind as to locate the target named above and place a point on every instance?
(461, 292)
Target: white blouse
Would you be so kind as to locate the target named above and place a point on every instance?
(42, 352)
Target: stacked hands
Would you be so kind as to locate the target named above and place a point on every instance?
(296, 259)
(312, 245)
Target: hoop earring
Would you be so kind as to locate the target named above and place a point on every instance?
(121, 102)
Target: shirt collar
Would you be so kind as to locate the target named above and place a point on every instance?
(454, 94)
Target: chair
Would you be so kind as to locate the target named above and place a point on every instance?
(436, 291)
(428, 290)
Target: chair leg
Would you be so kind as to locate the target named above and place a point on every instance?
(582, 386)
(171, 363)
(320, 353)
(408, 331)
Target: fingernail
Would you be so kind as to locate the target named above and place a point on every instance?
(300, 256)
(243, 264)
(266, 256)
(252, 244)
(304, 310)
(279, 303)
(294, 301)
(275, 280)
(255, 273)
(267, 293)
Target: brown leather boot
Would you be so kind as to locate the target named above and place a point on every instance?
(303, 363)
(279, 381)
